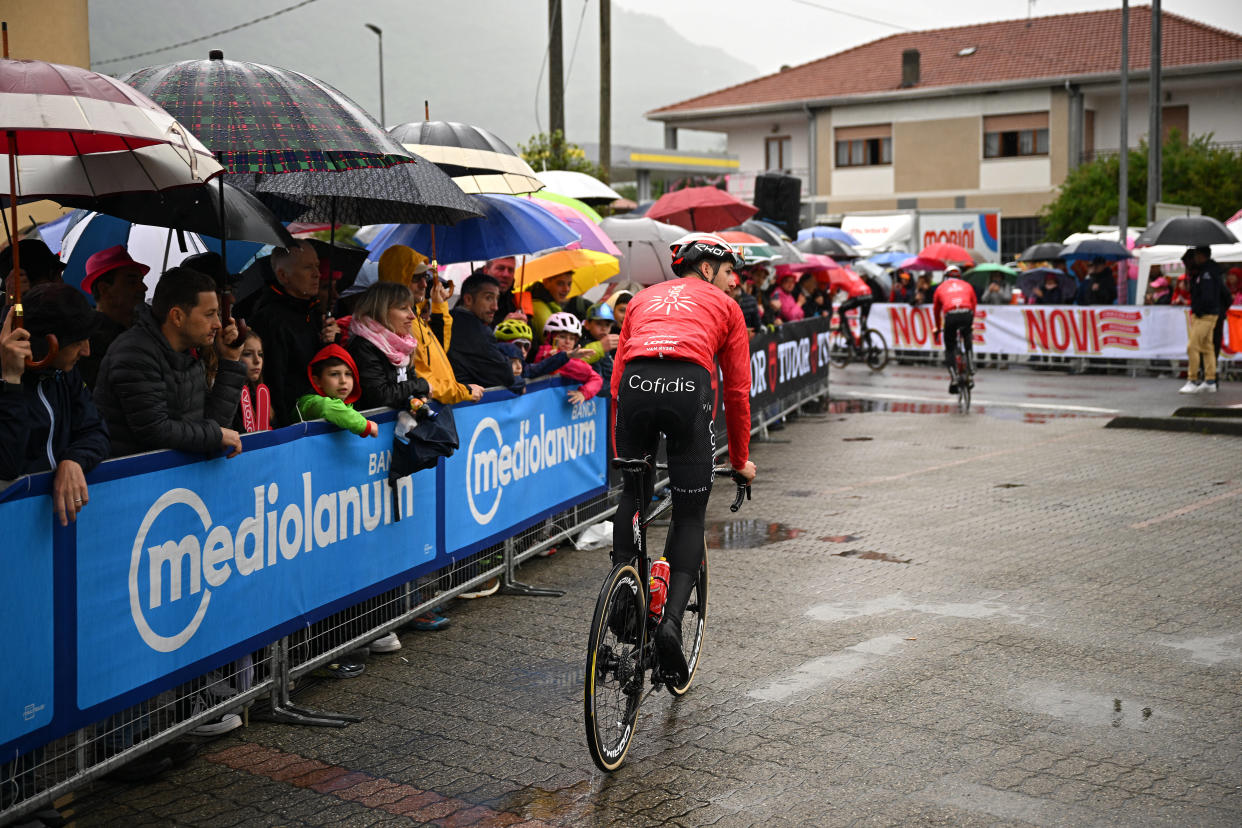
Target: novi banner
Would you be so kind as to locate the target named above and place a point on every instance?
(1102, 331)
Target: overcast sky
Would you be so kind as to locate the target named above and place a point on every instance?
(768, 33)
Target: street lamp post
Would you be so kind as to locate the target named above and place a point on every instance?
(379, 33)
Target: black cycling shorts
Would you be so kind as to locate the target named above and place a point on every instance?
(674, 398)
(960, 322)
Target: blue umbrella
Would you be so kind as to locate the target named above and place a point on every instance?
(1095, 249)
(824, 232)
(157, 247)
(510, 226)
(890, 259)
(53, 231)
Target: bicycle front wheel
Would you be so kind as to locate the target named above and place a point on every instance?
(614, 669)
(876, 350)
(839, 349)
(693, 625)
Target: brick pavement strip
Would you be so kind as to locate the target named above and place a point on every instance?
(967, 621)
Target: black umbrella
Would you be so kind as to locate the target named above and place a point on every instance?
(196, 209)
(418, 193)
(1192, 231)
(825, 246)
(476, 159)
(774, 236)
(419, 440)
(1096, 249)
(1042, 252)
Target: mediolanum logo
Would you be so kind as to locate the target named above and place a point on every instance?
(495, 459)
(181, 570)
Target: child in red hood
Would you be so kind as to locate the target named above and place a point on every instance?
(332, 374)
(563, 330)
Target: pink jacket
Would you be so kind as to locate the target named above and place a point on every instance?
(790, 311)
(576, 370)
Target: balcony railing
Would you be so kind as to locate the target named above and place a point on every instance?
(1109, 152)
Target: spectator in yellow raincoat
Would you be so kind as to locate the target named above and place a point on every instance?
(432, 326)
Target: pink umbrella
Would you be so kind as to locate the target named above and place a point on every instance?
(593, 238)
(923, 263)
(703, 209)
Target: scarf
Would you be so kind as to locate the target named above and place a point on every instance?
(397, 347)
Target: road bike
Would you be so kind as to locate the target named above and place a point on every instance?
(621, 650)
(868, 346)
(963, 372)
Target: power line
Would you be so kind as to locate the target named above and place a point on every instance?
(851, 14)
(574, 51)
(276, 13)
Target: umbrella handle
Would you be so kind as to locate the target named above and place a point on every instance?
(53, 348)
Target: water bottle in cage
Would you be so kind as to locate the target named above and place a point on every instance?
(659, 587)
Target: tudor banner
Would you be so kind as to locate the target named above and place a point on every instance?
(787, 360)
(1102, 331)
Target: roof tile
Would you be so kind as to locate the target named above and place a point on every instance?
(1056, 46)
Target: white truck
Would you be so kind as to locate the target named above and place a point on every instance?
(912, 230)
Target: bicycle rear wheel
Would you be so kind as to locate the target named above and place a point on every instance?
(693, 625)
(876, 350)
(963, 383)
(614, 667)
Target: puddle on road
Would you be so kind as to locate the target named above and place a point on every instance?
(747, 533)
(1211, 650)
(800, 493)
(1087, 708)
(865, 555)
(818, 671)
(998, 411)
(898, 602)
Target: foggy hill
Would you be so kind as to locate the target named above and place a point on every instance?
(477, 61)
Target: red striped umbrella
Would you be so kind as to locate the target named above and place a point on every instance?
(79, 133)
(72, 132)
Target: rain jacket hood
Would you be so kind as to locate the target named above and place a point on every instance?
(342, 354)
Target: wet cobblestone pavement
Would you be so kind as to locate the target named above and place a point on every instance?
(959, 621)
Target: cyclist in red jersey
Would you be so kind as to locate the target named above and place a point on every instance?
(673, 335)
(955, 301)
(858, 294)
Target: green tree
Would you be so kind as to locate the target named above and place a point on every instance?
(1195, 173)
(553, 152)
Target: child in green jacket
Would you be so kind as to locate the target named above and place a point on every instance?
(333, 375)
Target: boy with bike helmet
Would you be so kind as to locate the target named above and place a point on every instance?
(955, 301)
(672, 337)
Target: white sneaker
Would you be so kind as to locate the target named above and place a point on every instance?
(1209, 387)
(489, 588)
(1191, 387)
(227, 722)
(386, 644)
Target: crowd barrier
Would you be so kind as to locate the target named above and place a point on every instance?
(1126, 337)
(190, 587)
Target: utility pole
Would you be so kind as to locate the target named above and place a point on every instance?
(379, 33)
(605, 87)
(556, 70)
(1155, 130)
(1123, 151)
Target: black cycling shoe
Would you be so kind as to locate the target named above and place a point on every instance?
(673, 665)
(953, 388)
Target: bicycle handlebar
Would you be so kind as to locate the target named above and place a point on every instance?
(743, 485)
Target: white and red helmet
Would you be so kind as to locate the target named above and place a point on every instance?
(693, 248)
(561, 322)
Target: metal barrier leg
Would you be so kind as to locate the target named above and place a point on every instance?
(283, 711)
(511, 586)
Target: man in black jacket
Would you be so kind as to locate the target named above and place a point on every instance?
(1206, 306)
(152, 387)
(1100, 285)
(288, 317)
(473, 351)
(47, 417)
